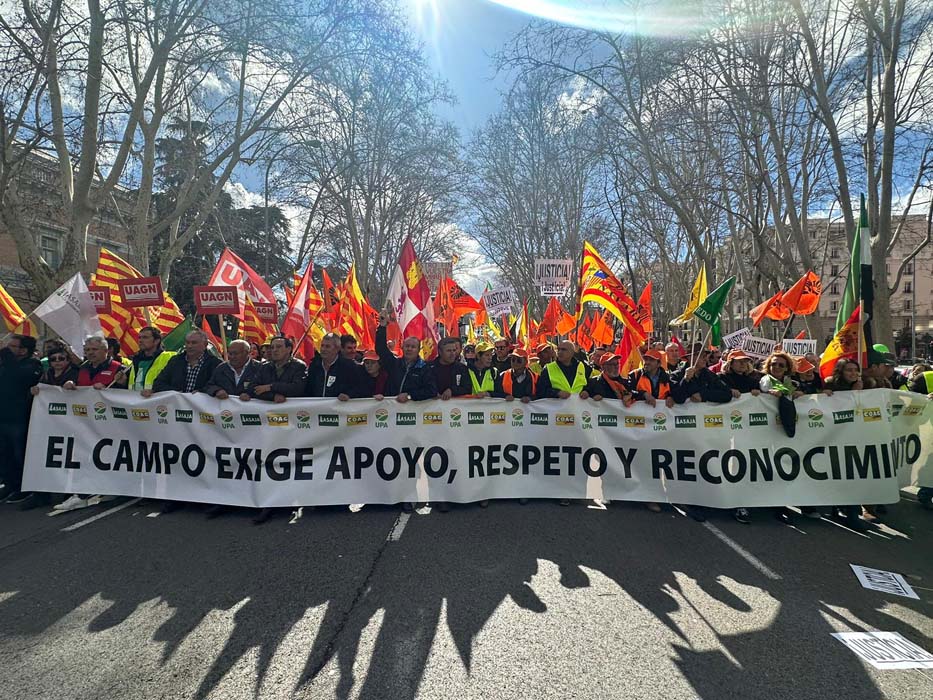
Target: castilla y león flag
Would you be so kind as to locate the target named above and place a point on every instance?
(410, 299)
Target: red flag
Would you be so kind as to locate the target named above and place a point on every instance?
(802, 335)
(298, 317)
(232, 271)
(628, 351)
(676, 341)
(214, 340)
(804, 297)
(410, 297)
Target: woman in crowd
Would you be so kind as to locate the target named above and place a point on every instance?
(740, 374)
(61, 368)
(808, 379)
(778, 381)
(917, 379)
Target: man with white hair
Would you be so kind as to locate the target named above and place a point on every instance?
(235, 376)
(97, 370)
(188, 371)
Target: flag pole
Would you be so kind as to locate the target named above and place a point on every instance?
(790, 322)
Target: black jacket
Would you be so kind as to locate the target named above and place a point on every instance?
(416, 380)
(17, 377)
(459, 383)
(546, 391)
(172, 378)
(224, 378)
(342, 377)
(287, 381)
(705, 382)
(519, 389)
(598, 386)
(742, 383)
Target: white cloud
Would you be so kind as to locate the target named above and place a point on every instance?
(474, 268)
(242, 197)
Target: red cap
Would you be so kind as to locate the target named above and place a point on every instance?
(519, 352)
(804, 365)
(371, 355)
(608, 357)
(739, 355)
(654, 354)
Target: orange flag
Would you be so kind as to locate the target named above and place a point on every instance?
(772, 308)
(643, 310)
(628, 351)
(214, 340)
(602, 332)
(555, 321)
(804, 297)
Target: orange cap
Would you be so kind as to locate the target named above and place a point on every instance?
(519, 352)
(608, 357)
(804, 365)
(654, 354)
(371, 355)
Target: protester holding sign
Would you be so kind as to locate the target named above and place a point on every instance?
(482, 373)
(698, 383)
(921, 379)
(610, 384)
(564, 377)
(517, 382)
(374, 379)
(847, 376)
(19, 372)
(740, 375)
(451, 377)
(410, 377)
(61, 369)
(98, 370)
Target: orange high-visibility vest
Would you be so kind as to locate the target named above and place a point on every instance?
(507, 381)
(644, 384)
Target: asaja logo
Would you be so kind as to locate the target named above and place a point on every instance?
(382, 418)
(634, 421)
(757, 418)
(405, 419)
(497, 417)
(329, 420)
(712, 420)
(118, 412)
(162, 414)
(565, 419)
(539, 419)
(685, 421)
(475, 417)
(226, 420)
(896, 409)
(206, 418)
(660, 421)
(100, 411)
(815, 418)
(303, 418)
(140, 414)
(432, 418)
(79, 409)
(607, 421)
(518, 416)
(277, 418)
(250, 419)
(870, 415)
(358, 419)
(183, 416)
(58, 409)
(843, 416)
(455, 415)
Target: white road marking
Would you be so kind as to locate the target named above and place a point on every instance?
(396, 534)
(93, 518)
(742, 552)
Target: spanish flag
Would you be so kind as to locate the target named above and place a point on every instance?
(848, 343)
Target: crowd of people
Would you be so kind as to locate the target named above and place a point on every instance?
(342, 370)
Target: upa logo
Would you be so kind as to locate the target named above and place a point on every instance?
(226, 420)
(634, 421)
(406, 419)
(870, 415)
(277, 419)
(100, 411)
(755, 419)
(735, 420)
(712, 420)
(497, 417)
(843, 416)
(357, 419)
(183, 415)
(660, 422)
(206, 418)
(815, 418)
(685, 421)
(250, 419)
(518, 417)
(604, 420)
(118, 412)
(303, 418)
(455, 417)
(141, 414)
(79, 409)
(565, 419)
(382, 418)
(475, 418)
(432, 418)
(58, 409)
(162, 414)
(586, 420)
(539, 419)
(329, 420)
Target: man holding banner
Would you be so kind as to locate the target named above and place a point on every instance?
(19, 372)
(188, 371)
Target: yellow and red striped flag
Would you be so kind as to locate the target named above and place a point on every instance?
(252, 329)
(13, 316)
(600, 285)
(351, 315)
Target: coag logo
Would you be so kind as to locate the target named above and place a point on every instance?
(382, 418)
(206, 418)
(757, 419)
(634, 421)
(539, 419)
(329, 420)
(79, 409)
(280, 420)
(183, 416)
(162, 414)
(685, 421)
(712, 420)
(870, 415)
(358, 419)
(475, 418)
(518, 417)
(250, 419)
(843, 416)
(607, 421)
(118, 412)
(815, 418)
(140, 414)
(405, 419)
(913, 410)
(565, 419)
(100, 411)
(660, 421)
(303, 419)
(735, 420)
(432, 418)
(226, 420)
(58, 409)
(497, 417)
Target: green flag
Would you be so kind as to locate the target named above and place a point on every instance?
(857, 259)
(711, 307)
(175, 340)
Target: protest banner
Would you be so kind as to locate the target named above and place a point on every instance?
(735, 340)
(849, 449)
(799, 348)
(498, 301)
(553, 276)
(216, 299)
(101, 298)
(141, 291)
(267, 313)
(758, 347)
(886, 650)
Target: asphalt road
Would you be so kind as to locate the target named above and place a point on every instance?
(533, 601)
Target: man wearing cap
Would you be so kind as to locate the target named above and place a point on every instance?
(517, 382)
(889, 373)
(482, 374)
(873, 374)
(697, 383)
(410, 378)
(610, 384)
(565, 376)
(501, 361)
(650, 383)
(545, 353)
(451, 377)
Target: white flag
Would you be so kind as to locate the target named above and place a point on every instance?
(70, 312)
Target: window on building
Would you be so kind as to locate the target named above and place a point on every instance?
(834, 252)
(50, 245)
(834, 306)
(909, 269)
(834, 289)
(908, 287)
(907, 305)
(834, 270)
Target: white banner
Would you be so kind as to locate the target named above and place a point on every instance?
(553, 276)
(735, 340)
(849, 448)
(498, 301)
(758, 347)
(799, 348)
